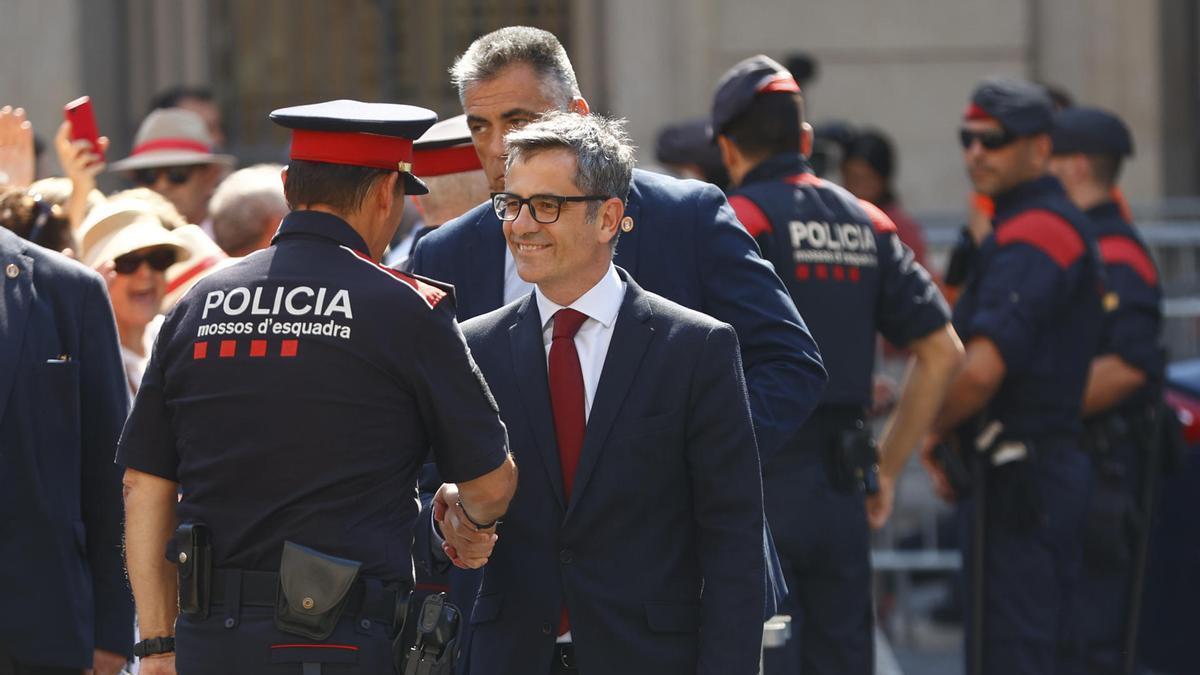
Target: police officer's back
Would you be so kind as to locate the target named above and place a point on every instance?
(1124, 387)
(850, 277)
(292, 398)
(1030, 317)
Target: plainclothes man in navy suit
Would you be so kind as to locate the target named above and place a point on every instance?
(679, 239)
(635, 542)
(64, 604)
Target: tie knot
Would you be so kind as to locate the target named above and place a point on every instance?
(567, 322)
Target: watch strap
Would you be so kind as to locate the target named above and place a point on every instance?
(152, 646)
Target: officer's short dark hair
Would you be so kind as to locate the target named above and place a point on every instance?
(772, 124)
(1106, 169)
(341, 187)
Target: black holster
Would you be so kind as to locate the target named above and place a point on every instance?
(855, 462)
(436, 648)
(313, 591)
(191, 550)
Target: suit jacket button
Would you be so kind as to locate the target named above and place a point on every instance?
(564, 556)
(547, 629)
(12, 271)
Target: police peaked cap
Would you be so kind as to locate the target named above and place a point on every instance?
(740, 85)
(1090, 131)
(1021, 107)
(445, 149)
(376, 135)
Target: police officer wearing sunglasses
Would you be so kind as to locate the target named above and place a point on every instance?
(1029, 316)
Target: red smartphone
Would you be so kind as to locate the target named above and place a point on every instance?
(83, 123)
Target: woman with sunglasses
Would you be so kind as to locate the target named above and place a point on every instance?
(131, 249)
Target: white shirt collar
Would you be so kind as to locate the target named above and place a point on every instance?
(602, 302)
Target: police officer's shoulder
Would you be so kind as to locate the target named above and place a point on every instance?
(750, 214)
(411, 289)
(1127, 251)
(1046, 232)
(879, 220)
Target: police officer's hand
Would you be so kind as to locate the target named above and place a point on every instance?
(159, 664)
(941, 484)
(879, 505)
(465, 545)
(105, 663)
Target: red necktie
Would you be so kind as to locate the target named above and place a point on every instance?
(567, 401)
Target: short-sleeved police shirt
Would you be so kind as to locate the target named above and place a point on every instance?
(1132, 327)
(843, 264)
(1035, 293)
(295, 395)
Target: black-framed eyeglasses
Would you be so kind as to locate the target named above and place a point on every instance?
(159, 260)
(992, 139)
(545, 209)
(177, 175)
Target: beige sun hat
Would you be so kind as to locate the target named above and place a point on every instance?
(171, 137)
(206, 257)
(111, 230)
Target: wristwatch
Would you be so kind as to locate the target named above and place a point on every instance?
(158, 645)
(478, 525)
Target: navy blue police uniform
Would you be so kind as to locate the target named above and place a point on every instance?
(1115, 438)
(294, 397)
(1033, 291)
(851, 277)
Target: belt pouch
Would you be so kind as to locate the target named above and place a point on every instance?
(313, 591)
(193, 554)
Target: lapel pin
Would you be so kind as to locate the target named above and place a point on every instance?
(627, 224)
(11, 271)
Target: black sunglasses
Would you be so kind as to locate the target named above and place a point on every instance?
(545, 209)
(177, 175)
(992, 139)
(159, 260)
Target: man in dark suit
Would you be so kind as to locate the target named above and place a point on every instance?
(635, 542)
(64, 604)
(680, 239)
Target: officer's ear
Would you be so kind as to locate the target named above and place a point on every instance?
(806, 139)
(386, 191)
(579, 105)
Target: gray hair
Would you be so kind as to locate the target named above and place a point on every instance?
(604, 157)
(242, 201)
(491, 53)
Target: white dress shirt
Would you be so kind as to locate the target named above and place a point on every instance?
(601, 305)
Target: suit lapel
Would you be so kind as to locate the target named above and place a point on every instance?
(627, 246)
(487, 264)
(631, 335)
(529, 362)
(16, 298)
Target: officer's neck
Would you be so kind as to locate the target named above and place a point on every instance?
(376, 231)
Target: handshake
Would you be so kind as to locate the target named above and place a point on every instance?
(466, 541)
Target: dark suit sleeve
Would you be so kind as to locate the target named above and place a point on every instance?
(784, 373)
(416, 263)
(727, 496)
(104, 402)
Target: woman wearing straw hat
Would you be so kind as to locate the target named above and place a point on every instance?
(125, 242)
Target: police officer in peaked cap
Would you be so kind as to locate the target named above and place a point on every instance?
(1029, 315)
(851, 278)
(1124, 388)
(272, 453)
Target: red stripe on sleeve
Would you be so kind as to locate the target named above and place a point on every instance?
(1045, 231)
(883, 224)
(1118, 250)
(751, 217)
